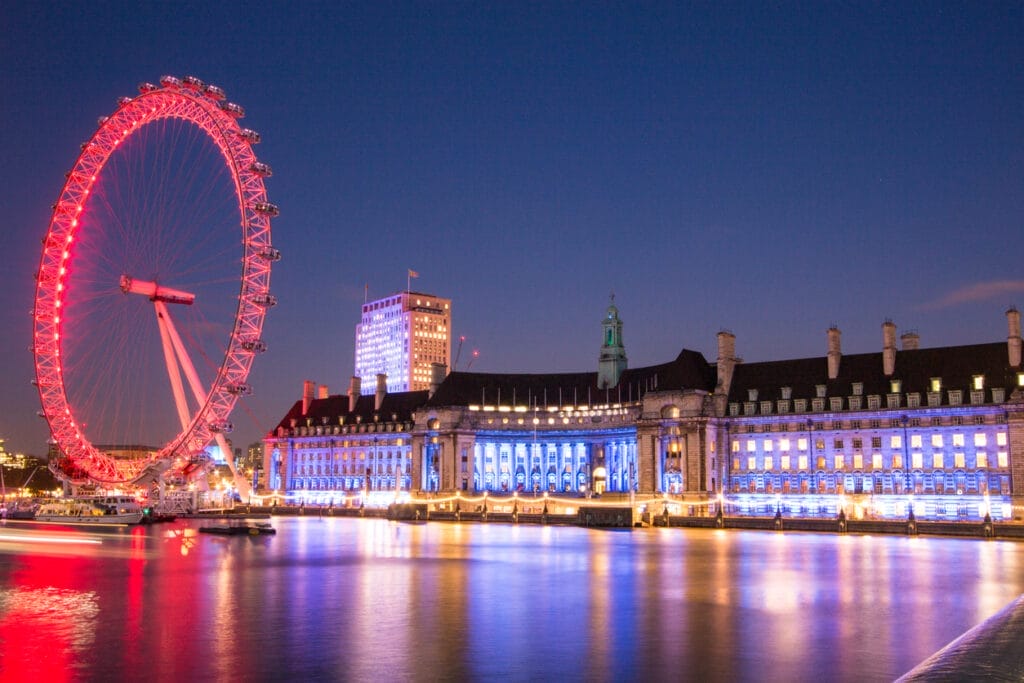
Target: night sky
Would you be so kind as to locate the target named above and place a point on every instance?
(770, 169)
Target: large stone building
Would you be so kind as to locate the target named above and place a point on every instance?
(941, 427)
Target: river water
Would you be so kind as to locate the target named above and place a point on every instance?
(370, 600)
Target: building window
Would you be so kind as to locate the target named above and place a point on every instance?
(934, 398)
(787, 393)
(855, 424)
(892, 401)
(981, 458)
(734, 409)
(876, 461)
(980, 440)
(917, 460)
(958, 460)
(835, 403)
(955, 397)
(937, 460)
(784, 462)
(751, 463)
(876, 442)
(857, 444)
(766, 407)
(858, 388)
(895, 441)
(977, 397)
(735, 446)
(801, 444)
(957, 420)
(749, 408)
(837, 444)
(818, 404)
(874, 402)
(751, 446)
(768, 462)
(998, 395)
(784, 406)
(958, 439)
(800, 405)
(914, 400)
(768, 446)
(858, 461)
(1000, 438)
(839, 462)
(935, 384)
(875, 424)
(784, 445)
(735, 464)
(915, 440)
(1004, 461)
(819, 390)
(936, 440)
(894, 386)
(855, 402)
(819, 444)
(802, 462)
(897, 460)
(750, 429)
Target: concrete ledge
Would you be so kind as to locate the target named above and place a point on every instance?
(991, 651)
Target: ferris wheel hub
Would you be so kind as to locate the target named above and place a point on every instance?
(155, 292)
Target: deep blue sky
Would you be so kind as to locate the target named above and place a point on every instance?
(766, 168)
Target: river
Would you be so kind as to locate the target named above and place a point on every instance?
(344, 599)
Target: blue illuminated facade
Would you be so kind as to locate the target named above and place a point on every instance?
(939, 431)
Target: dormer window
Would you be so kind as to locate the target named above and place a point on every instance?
(819, 390)
(978, 382)
(751, 394)
(787, 393)
(936, 384)
(894, 386)
(858, 388)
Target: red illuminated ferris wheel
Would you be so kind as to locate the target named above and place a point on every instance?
(153, 285)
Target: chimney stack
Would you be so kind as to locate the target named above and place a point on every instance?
(726, 360)
(308, 390)
(1013, 342)
(382, 389)
(437, 375)
(910, 341)
(834, 351)
(354, 387)
(888, 348)
(322, 391)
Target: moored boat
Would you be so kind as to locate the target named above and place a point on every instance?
(91, 510)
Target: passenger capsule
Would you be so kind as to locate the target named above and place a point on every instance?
(233, 109)
(121, 101)
(264, 300)
(170, 82)
(214, 93)
(249, 135)
(221, 426)
(266, 208)
(146, 87)
(192, 83)
(262, 169)
(240, 389)
(254, 345)
(270, 254)
(101, 120)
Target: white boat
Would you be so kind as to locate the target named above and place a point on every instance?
(91, 510)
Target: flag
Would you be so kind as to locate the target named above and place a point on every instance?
(413, 273)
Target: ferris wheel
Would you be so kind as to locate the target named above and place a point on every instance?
(153, 285)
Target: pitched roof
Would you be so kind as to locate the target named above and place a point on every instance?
(688, 371)
(400, 405)
(956, 365)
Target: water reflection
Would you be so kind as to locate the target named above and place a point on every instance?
(349, 599)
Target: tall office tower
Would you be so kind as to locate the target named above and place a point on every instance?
(400, 336)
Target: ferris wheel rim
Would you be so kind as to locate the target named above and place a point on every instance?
(205, 109)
